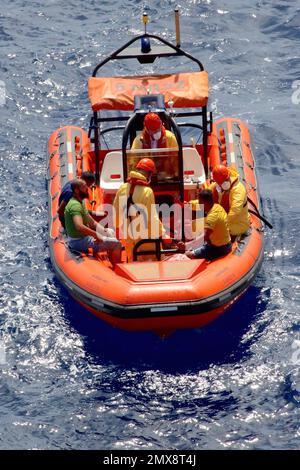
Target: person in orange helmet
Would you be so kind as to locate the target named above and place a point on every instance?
(147, 165)
(155, 136)
(231, 194)
(135, 211)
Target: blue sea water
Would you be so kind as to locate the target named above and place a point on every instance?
(69, 381)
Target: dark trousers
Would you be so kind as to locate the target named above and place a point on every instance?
(211, 252)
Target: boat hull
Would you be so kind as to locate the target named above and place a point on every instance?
(160, 296)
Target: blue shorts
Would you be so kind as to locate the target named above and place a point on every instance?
(210, 252)
(83, 244)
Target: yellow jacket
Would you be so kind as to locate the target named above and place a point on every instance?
(197, 218)
(235, 204)
(217, 221)
(171, 141)
(143, 222)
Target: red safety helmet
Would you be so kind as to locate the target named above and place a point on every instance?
(152, 122)
(220, 174)
(146, 164)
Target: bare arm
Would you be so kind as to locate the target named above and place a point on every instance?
(61, 209)
(83, 229)
(97, 227)
(91, 222)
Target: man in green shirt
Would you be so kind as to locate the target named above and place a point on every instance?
(83, 231)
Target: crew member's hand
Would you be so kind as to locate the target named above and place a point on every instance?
(181, 245)
(190, 254)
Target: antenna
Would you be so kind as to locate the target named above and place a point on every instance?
(177, 26)
(145, 20)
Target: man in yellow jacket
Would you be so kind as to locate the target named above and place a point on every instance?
(231, 194)
(135, 211)
(217, 240)
(154, 135)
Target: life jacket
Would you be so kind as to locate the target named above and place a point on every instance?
(146, 139)
(134, 181)
(238, 222)
(223, 197)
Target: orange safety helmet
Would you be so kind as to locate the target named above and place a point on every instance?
(146, 164)
(220, 174)
(152, 122)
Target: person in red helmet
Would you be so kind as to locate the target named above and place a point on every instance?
(147, 165)
(231, 194)
(135, 210)
(221, 174)
(154, 135)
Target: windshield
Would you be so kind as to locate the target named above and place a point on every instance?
(165, 160)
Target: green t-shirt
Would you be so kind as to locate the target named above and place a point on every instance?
(74, 207)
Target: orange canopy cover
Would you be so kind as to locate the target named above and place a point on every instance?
(186, 90)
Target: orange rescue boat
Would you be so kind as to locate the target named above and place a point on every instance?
(157, 295)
